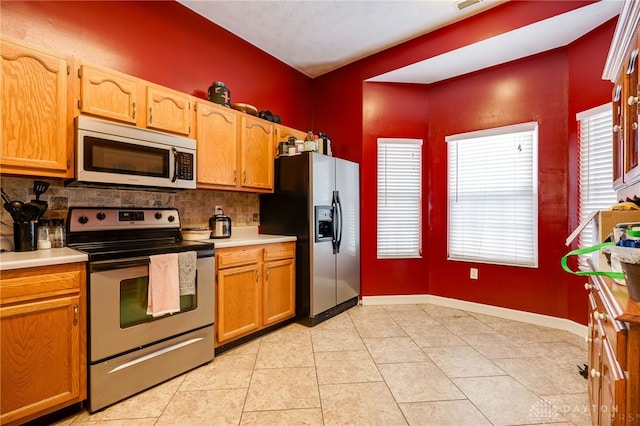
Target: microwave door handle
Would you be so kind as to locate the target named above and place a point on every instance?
(175, 164)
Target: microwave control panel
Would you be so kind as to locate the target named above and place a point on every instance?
(184, 165)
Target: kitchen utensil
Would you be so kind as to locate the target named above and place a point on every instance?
(39, 188)
(5, 196)
(29, 212)
(15, 210)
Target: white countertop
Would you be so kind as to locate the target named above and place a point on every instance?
(29, 259)
(241, 236)
(248, 236)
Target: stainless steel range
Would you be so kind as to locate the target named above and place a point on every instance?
(130, 350)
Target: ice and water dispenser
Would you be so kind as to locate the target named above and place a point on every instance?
(324, 223)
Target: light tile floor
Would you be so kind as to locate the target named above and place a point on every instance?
(377, 365)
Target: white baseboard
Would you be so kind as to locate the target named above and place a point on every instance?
(512, 314)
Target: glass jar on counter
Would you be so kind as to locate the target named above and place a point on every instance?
(44, 236)
(57, 233)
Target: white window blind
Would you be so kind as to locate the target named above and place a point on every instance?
(596, 166)
(493, 195)
(399, 198)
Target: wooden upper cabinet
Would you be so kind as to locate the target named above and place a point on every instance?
(217, 134)
(37, 137)
(622, 68)
(283, 133)
(256, 156)
(112, 95)
(168, 110)
(630, 88)
(108, 94)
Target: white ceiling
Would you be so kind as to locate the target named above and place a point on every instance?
(318, 36)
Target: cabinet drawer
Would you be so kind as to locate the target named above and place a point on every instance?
(279, 251)
(615, 331)
(227, 258)
(26, 284)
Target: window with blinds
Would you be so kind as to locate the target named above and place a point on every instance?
(493, 196)
(399, 198)
(596, 166)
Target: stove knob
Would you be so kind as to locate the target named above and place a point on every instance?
(101, 216)
(171, 218)
(83, 219)
(158, 215)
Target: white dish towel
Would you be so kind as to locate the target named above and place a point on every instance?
(187, 272)
(164, 287)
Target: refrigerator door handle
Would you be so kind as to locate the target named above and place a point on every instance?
(334, 217)
(339, 221)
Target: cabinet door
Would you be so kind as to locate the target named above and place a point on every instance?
(612, 396)
(35, 128)
(278, 291)
(618, 136)
(216, 135)
(631, 148)
(256, 156)
(238, 302)
(41, 357)
(168, 110)
(283, 133)
(108, 94)
(594, 340)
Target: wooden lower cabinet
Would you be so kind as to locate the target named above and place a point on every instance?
(43, 344)
(255, 289)
(614, 354)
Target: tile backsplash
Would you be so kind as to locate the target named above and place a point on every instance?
(195, 206)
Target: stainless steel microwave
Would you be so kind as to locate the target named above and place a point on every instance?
(109, 153)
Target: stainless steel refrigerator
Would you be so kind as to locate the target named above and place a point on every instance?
(317, 199)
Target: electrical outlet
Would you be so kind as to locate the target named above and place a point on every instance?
(473, 273)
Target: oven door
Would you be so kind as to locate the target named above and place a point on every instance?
(118, 301)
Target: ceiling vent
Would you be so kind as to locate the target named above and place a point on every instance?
(466, 3)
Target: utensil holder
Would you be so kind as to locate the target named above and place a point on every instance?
(25, 236)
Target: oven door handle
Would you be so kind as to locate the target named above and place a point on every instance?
(107, 265)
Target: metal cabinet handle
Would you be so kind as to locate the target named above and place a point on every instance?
(632, 100)
(595, 373)
(150, 114)
(75, 314)
(133, 116)
(617, 128)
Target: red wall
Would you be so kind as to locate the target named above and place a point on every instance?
(390, 110)
(587, 89)
(166, 43)
(548, 88)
